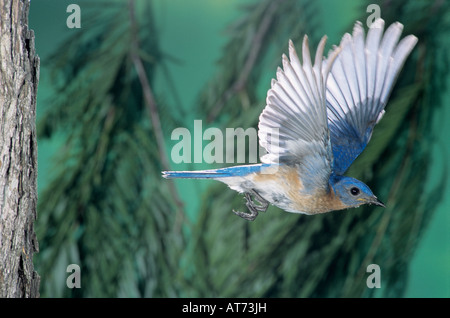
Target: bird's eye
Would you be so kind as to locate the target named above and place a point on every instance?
(354, 191)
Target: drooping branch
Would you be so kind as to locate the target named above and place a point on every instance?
(253, 55)
(150, 103)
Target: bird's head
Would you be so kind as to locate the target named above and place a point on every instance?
(354, 193)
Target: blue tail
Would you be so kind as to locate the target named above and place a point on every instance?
(236, 171)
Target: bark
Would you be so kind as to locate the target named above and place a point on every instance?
(19, 75)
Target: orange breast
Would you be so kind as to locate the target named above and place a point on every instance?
(321, 202)
(288, 181)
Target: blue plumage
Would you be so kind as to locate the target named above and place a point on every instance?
(236, 171)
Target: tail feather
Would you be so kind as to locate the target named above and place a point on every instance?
(205, 174)
(236, 171)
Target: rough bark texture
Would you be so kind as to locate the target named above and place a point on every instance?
(19, 74)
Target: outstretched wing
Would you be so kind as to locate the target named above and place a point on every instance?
(293, 126)
(358, 88)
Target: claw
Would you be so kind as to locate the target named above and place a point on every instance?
(248, 216)
(252, 207)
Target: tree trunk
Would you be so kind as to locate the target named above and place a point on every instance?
(19, 74)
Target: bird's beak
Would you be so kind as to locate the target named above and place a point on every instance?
(378, 202)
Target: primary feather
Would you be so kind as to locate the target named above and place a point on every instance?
(293, 126)
(359, 86)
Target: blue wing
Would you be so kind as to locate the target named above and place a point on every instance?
(293, 126)
(359, 85)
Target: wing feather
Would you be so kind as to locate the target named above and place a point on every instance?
(359, 85)
(296, 112)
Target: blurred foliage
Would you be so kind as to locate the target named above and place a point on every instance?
(108, 209)
(288, 255)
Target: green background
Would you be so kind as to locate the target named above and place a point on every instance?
(193, 32)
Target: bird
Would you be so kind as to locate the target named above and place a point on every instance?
(317, 120)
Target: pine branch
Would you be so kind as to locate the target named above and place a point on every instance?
(151, 105)
(104, 208)
(253, 55)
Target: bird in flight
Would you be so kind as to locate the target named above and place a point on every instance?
(317, 120)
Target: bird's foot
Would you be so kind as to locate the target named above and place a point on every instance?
(248, 216)
(252, 206)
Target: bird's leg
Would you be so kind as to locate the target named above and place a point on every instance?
(252, 207)
(264, 204)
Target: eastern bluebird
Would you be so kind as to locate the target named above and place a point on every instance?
(322, 125)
